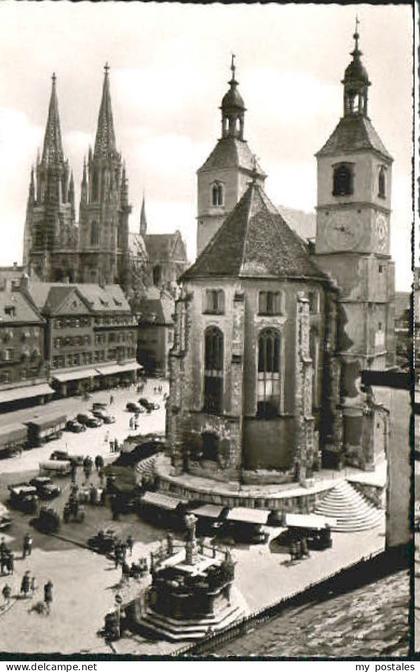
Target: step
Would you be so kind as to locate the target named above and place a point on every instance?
(352, 511)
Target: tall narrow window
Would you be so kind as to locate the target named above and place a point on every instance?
(342, 180)
(215, 301)
(381, 183)
(217, 194)
(268, 385)
(213, 370)
(94, 233)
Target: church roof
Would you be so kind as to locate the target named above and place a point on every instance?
(53, 146)
(255, 241)
(160, 246)
(105, 134)
(352, 134)
(232, 153)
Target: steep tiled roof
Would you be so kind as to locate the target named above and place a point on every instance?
(230, 153)
(23, 311)
(106, 299)
(157, 307)
(254, 241)
(352, 134)
(159, 246)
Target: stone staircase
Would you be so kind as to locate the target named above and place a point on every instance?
(146, 467)
(352, 511)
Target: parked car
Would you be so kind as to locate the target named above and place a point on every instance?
(148, 405)
(94, 422)
(103, 415)
(23, 497)
(103, 542)
(99, 404)
(56, 467)
(75, 426)
(5, 517)
(84, 417)
(45, 487)
(133, 407)
(64, 455)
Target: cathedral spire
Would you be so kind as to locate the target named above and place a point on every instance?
(105, 135)
(233, 108)
(143, 219)
(53, 147)
(356, 82)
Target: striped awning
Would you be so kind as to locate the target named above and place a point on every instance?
(26, 392)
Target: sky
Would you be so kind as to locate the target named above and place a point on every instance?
(169, 72)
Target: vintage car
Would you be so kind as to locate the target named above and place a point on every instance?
(56, 467)
(103, 415)
(45, 487)
(99, 405)
(75, 426)
(94, 422)
(48, 520)
(103, 542)
(148, 405)
(23, 497)
(133, 407)
(5, 517)
(64, 455)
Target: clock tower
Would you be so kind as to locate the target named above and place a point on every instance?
(352, 242)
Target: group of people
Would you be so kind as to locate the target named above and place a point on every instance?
(28, 585)
(299, 549)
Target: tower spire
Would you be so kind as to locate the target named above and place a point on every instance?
(233, 108)
(143, 219)
(356, 81)
(53, 146)
(105, 136)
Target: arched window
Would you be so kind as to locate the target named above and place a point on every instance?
(213, 370)
(94, 233)
(343, 180)
(217, 194)
(157, 275)
(381, 183)
(268, 385)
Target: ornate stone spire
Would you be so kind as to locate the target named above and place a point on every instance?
(143, 219)
(105, 135)
(53, 147)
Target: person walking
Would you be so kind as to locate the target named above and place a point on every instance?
(10, 563)
(111, 400)
(7, 594)
(25, 584)
(73, 472)
(34, 585)
(99, 460)
(48, 596)
(27, 545)
(130, 543)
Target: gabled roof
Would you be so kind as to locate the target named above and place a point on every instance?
(255, 241)
(109, 298)
(157, 307)
(49, 297)
(161, 246)
(232, 153)
(352, 134)
(15, 307)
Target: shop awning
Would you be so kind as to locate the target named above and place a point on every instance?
(208, 511)
(310, 520)
(130, 366)
(245, 515)
(75, 375)
(25, 392)
(161, 501)
(108, 370)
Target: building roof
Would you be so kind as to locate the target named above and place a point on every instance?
(232, 153)
(15, 308)
(49, 296)
(157, 307)
(255, 241)
(353, 134)
(137, 245)
(161, 246)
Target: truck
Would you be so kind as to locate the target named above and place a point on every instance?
(13, 439)
(45, 428)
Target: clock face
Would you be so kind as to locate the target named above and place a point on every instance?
(344, 231)
(381, 231)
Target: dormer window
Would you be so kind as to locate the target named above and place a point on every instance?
(217, 195)
(382, 183)
(10, 311)
(214, 301)
(343, 180)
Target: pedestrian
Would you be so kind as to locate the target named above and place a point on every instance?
(48, 595)
(101, 475)
(73, 472)
(106, 439)
(7, 593)
(130, 422)
(125, 571)
(123, 551)
(27, 545)
(136, 424)
(3, 562)
(25, 584)
(3, 546)
(130, 544)
(66, 512)
(34, 585)
(111, 400)
(10, 563)
(99, 460)
(304, 548)
(116, 445)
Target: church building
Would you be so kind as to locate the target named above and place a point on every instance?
(271, 333)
